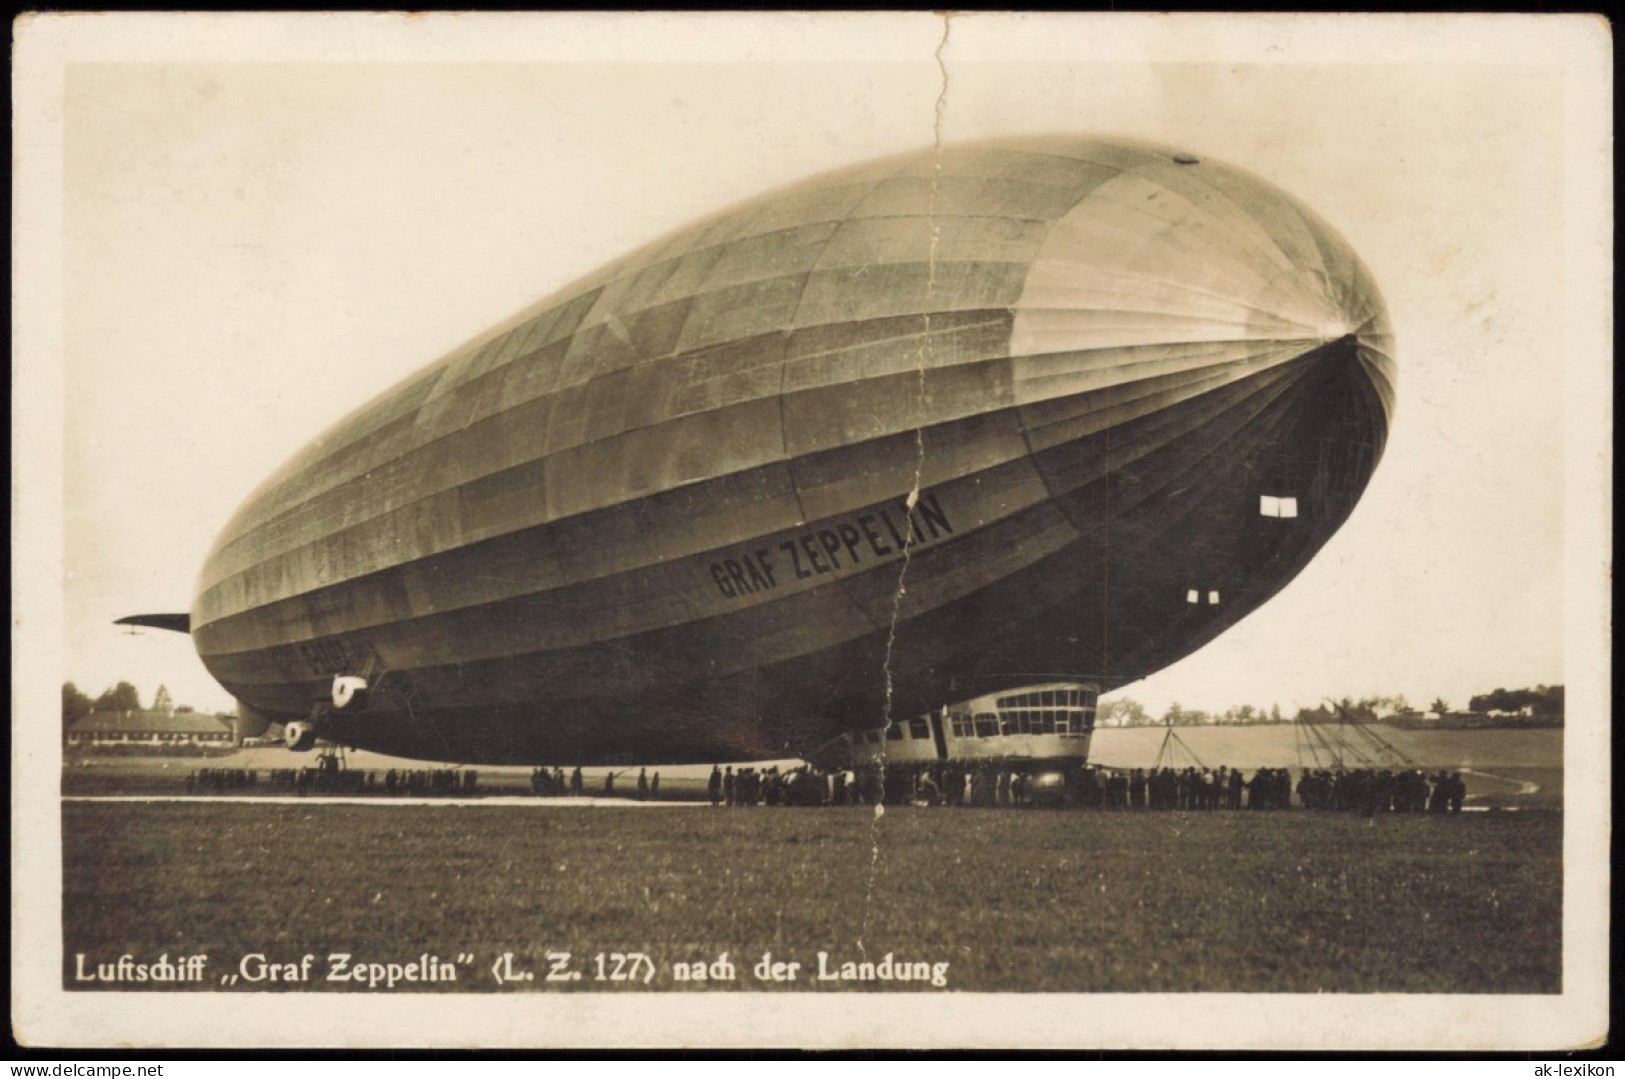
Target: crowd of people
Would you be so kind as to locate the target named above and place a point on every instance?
(771, 786)
(1367, 791)
(331, 779)
(1200, 788)
(551, 783)
(1361, 790)
(221, 780)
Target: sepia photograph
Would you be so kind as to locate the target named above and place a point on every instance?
(848, 531)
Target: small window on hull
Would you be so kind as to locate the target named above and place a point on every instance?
(1213, 599)
(1277, 506)
(1193, 596)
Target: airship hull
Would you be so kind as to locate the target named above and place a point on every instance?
(925, 429)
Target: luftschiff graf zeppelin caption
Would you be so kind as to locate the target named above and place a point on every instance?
(260, 970)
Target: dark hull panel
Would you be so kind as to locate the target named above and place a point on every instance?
(885, 439)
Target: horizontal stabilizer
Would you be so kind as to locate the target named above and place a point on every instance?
(180, 623)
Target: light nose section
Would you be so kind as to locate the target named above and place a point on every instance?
(1192, 279)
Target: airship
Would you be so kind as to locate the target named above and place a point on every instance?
(1047, 410)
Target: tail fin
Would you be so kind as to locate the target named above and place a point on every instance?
(179, 623)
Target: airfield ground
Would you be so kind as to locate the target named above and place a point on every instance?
(1025, 900)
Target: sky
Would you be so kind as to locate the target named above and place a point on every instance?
(259, 233)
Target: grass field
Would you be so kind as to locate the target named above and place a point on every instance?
(1010, 899)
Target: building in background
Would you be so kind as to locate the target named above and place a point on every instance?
(155, 730)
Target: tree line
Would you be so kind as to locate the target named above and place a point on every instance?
(123, 697)
(1126, 712)
(1540, 701)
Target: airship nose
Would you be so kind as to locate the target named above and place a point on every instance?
(1189, 281)
(1367, 353)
